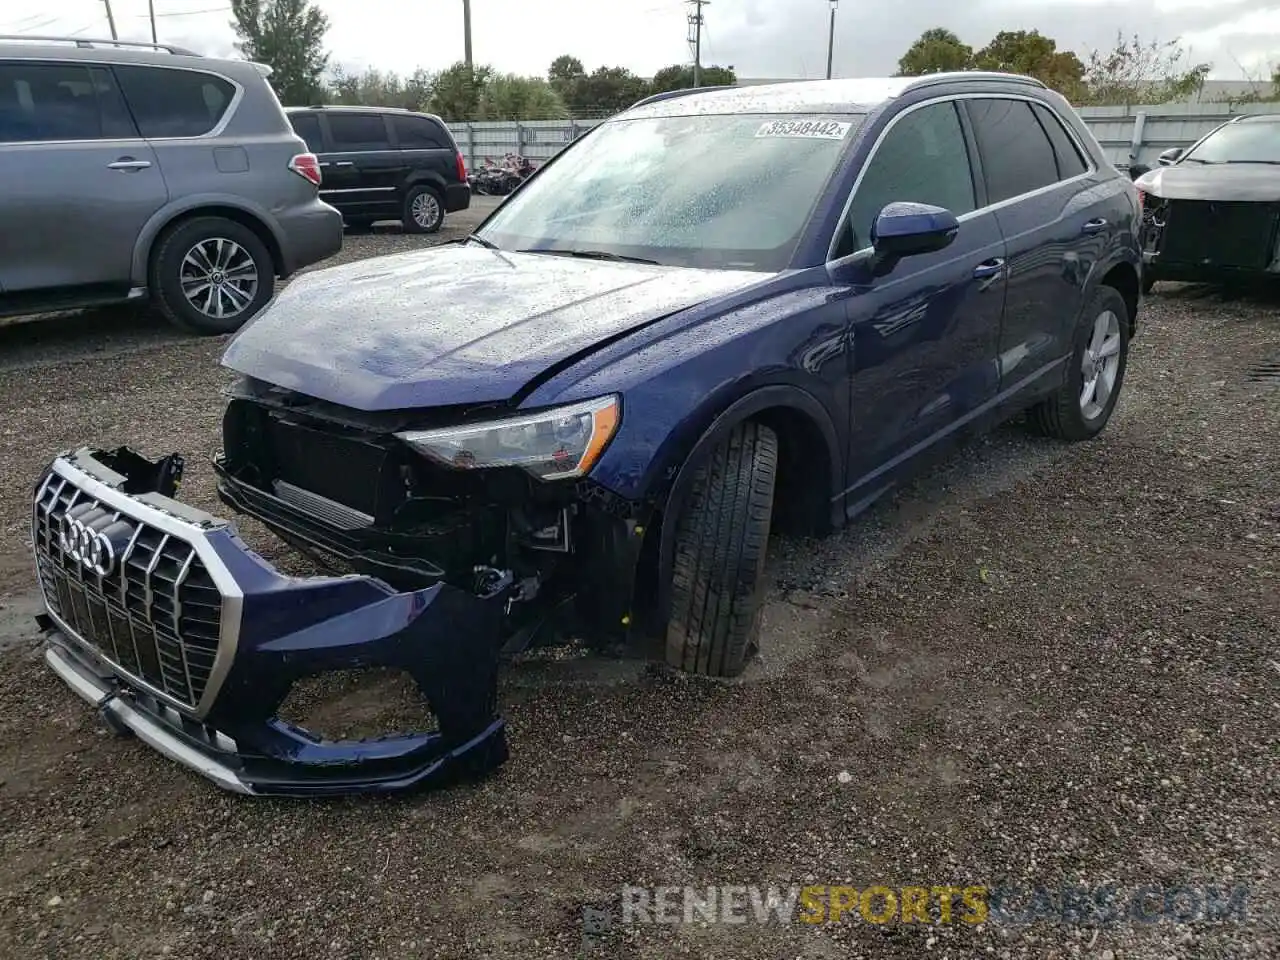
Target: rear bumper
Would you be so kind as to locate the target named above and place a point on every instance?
(457, 196)
(275, 631)
(310, 233)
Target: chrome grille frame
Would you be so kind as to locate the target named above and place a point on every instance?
(154, 615)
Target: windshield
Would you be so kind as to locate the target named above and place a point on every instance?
(730, 192)
(1244, 142)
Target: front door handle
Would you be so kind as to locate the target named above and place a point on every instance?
(128, 163)
(988, 272)
(1094, 226)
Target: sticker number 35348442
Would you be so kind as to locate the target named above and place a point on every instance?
(819, 129)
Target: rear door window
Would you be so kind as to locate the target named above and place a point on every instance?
(353, 132)
(59, 102)
(170, 103)
(1070, 163)
(307, 126)
(418, 133)
(1017, 156)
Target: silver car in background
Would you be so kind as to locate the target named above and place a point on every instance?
(138, 170)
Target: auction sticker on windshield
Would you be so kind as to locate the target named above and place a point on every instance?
(815, 129)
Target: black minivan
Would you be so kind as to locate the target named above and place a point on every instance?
(382, 163)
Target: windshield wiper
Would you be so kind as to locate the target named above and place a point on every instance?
(1271, 162)
(476, 238)
(589, 255)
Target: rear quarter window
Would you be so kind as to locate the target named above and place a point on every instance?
(174, 103)
(419, 133)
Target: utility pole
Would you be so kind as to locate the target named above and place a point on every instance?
(831, 37)
(111, 20)
(151, 12)
(466, 31)
(696, 22)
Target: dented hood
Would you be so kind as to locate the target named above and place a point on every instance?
(1213, 181)
(454, 324)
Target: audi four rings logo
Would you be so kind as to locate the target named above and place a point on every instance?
(93, 548)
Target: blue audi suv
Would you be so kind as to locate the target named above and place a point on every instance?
(719, 314)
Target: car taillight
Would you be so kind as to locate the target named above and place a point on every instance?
(307, 166)
(462, 169)
(1142, 200)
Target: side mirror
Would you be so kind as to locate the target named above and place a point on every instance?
(1170, 157)
(907, 229)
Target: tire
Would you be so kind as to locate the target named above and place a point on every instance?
(177, 264)
(423, 210)
(721, 539)
(1070, 414)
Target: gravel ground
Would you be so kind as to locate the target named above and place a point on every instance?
(1039, 665)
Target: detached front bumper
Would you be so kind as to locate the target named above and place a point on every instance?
(162, 617)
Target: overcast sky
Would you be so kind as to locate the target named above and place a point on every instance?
(759, 38)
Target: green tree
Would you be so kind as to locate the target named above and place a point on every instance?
(373, 88)
(564, 72)
(1033, 54)
(457, 91)
(288, 36)
(936, 51)
(606, 90)
(680, 77)
(1138, 72)
(508, 96)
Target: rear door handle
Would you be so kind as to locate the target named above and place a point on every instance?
(345, 163)
(1094, 226)
(988, 268)
(128, 163)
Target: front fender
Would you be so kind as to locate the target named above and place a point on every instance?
(687, 463)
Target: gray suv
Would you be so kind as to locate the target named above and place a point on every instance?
(146, 171)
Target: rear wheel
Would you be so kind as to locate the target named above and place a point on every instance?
(423, 210)
(211, 274)
(1083, 404)
(721, 540)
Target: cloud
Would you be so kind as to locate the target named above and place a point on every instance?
(760, 38)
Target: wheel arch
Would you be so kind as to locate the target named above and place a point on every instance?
(171, 218)
(1123, 278)
(807, 440)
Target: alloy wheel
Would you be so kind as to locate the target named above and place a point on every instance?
(219, 278)
(425, 209)
(1100, 365)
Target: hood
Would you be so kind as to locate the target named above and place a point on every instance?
(454, 324)
(1213, 181)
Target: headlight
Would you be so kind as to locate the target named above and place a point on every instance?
(552, 444)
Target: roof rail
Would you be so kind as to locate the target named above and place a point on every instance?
(671, 95)
(90, 43)
(952, 76)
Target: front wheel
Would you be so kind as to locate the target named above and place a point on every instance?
(423, 210)
(210, 275)
(721, 539)
(1083, 404)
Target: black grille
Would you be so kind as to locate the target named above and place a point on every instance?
(152, 609)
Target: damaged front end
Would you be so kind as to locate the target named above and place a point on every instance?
(163, 619)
